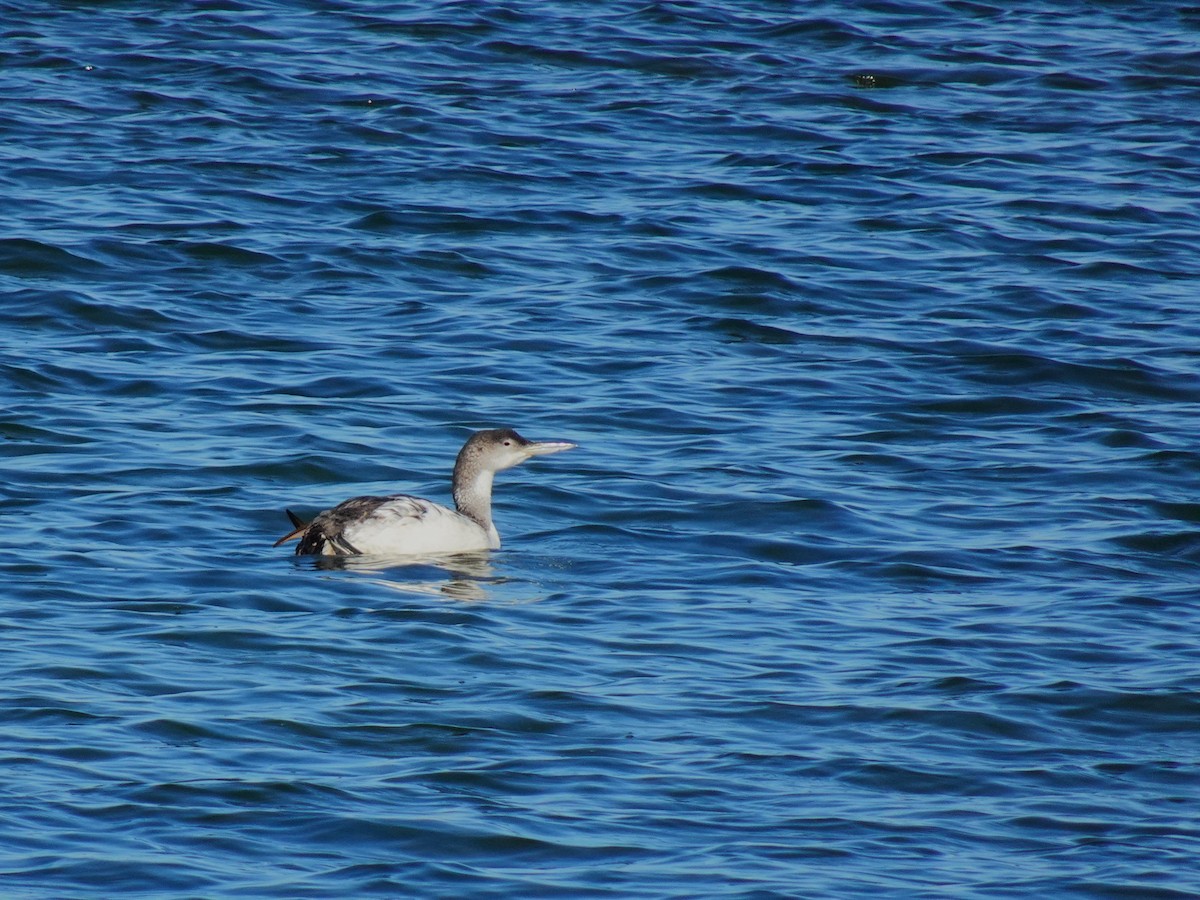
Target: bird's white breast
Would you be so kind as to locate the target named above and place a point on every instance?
(409, 525)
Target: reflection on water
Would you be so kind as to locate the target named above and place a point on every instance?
(457, 576)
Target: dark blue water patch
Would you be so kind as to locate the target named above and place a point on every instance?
(28, 258)
(995, 364)
(1183, 512)
(1173, 544)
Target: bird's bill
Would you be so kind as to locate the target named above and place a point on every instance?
(542, 448)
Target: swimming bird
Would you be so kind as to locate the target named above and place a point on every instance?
(402, 525)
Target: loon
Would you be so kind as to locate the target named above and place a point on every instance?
(400, 525)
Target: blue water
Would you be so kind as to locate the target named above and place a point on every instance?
(878, 569)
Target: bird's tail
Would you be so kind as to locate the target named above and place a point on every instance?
(300, 524)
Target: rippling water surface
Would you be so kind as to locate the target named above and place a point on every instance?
(876, 572)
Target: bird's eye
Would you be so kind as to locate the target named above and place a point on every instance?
(508, 443)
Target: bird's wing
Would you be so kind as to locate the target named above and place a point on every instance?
(329, 532)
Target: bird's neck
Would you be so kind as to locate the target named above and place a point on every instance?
(473, 496)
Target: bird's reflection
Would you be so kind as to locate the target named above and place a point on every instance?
(459, 576)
